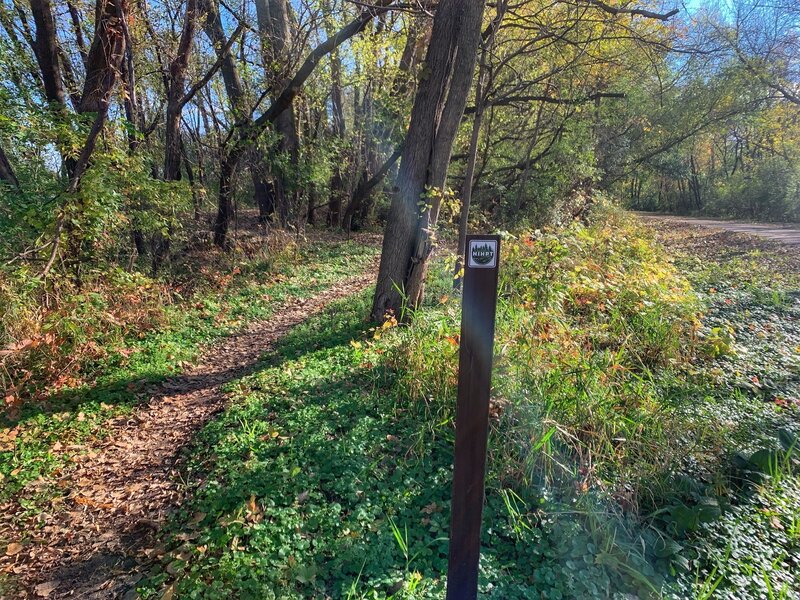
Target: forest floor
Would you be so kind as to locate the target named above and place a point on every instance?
(624, 396)
(80, 509)
(644, 377)
(747, 277)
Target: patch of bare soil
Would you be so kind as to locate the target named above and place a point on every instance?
(120, 492)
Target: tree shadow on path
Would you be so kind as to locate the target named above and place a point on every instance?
(122, 491)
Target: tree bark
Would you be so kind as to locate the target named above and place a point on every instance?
(437, 112)
(337, 184)
(213, 28)
(176, 92)
(225, 205)
(45, 48)
(378, 135)
(6, 171)
(357, 208)
(263, 188)
(695, 183)
(134, 111)
(77, 28)
(263, 192)
(274, 27)
(106, 54)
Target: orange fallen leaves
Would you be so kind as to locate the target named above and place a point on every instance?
(13, 549)
(43, 590)
(84, 501)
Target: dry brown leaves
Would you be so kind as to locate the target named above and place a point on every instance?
(94, 540)
(695, 238)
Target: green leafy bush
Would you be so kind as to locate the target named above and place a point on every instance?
(593, 324)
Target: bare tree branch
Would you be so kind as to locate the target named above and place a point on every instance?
(634, 11)
(214, 68)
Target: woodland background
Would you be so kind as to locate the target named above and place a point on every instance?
(130, 130)
(178, 175)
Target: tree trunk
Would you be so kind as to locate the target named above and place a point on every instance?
(437, 112)
(358, 208)
(276, 41)
(133, 107)
(176, 100)
(378, 135)
(262, 189)
(175, 94)
(695, 184)
(106, 54)
(248, 134)
(225, 205)
(417, 36)
(338, 180)
(104, 63)
(6, 171)
(45, 47)
(213, 28)
(528, 163)
(77, 28)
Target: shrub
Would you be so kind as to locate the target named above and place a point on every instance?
(47, 335)
(593, 325)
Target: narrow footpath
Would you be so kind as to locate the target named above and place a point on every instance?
(120, 492)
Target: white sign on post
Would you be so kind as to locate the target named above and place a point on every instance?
(482, 254)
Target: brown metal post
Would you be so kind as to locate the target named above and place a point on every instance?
(479, 304)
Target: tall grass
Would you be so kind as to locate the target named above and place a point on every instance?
(592, 324)
(594, 328)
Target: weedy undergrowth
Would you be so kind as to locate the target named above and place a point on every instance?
(139, 332)
(602, 402)
(612, 439)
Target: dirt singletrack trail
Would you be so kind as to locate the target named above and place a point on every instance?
(122, 490)
(785, 234)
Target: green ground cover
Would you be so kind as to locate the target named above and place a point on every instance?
(748, 544)
(48, 430)
(628, 452)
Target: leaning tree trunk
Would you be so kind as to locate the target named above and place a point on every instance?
(358, 208)
(437, 112)
(45, 48)
(379, 133)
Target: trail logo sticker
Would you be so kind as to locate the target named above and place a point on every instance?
(483, 254)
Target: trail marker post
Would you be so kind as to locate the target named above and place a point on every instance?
(479, 304)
